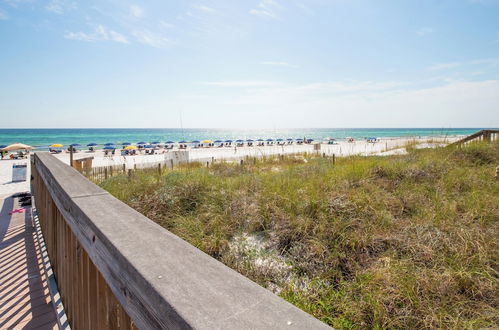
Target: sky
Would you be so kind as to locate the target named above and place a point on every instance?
(249, 63)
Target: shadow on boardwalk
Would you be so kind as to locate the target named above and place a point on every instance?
(25, 301)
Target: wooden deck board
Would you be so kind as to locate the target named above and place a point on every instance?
(25, 301)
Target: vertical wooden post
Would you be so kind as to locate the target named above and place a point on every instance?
(124, 168)
(334, 159)
(110, 171)
(242, 162)
(171, 164)
(129, 174)
(323, 155)
(105, 173)
(71, 156)
(159, 168)
(207, 164)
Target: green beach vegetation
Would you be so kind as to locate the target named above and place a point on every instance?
(406, 241)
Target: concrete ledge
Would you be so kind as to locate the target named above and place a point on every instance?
(160, 280)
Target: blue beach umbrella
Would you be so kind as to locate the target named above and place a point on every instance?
(228, 141)
(289, 139)
(260, 140)
(142, 143)
(91, 144)
(196, 141)
(74, 145)
(270, 140)
(126, 144)
(249, 140)
(3, 146)
(239, 141)
(279, 140)
(148, 146)
(109, 148)
(182, 141)
(218, 141)
(109, 144)
(155, 142)
(299, 139)
(169, 142)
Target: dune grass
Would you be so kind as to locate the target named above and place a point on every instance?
(406, 241)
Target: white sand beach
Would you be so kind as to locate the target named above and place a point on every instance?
(383, 146)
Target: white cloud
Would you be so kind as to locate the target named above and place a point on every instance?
(444, 66)
(376, 104)
(204, 8)
(136, 11)
(239, 83)
(151, 38)
(60, 6)
(266, 9)
(490, 62)
(100, 33)
(305, 9)
(166, 25)
(3, 15)
(273, 63)
(425, 30)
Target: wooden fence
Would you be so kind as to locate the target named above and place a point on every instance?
(486, 135)
(116, 269)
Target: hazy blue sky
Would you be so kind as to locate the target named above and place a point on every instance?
(249, 63)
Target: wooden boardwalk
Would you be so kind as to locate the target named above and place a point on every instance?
(25, 301)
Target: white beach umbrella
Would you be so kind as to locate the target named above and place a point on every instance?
(17, 146)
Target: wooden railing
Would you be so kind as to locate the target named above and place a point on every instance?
(116, 268)
(486, 135)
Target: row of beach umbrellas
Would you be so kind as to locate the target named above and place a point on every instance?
(146, 144)
(129, 146)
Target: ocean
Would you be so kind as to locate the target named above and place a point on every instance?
(41, 138)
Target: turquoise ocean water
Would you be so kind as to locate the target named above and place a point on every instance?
(41, 138)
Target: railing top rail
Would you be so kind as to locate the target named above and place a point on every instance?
(159, 279)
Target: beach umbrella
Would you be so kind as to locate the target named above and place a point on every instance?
(91, 144)
(109, 144)
(126, 144)
(169, 142)
(229, 141)
(130, 147)
(289, 139)
(207, 141)
(109, 148)
(195, 141)
(142, 142)
(3, 146)
(74, 145)
(269, 140)
(249, 140)
(148, 146)
(218, 141)
(239, 141)
(182, 141)
(279, 140)
(155, 142)
(17, 146)
(299, 139)
(260, 140)
(56, 145)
